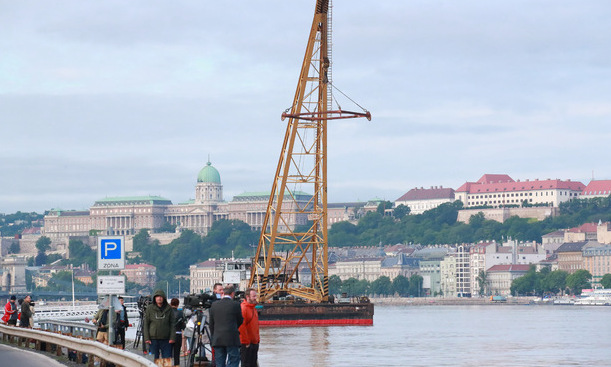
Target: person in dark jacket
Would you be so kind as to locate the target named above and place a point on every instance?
(122, 324)
(159, 327)
(225, 319)
(179, 326)
(26, 312)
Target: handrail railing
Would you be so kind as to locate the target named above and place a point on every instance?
(73, 328)
(85, 346)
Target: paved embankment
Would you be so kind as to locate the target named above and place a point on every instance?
(13, 356)
(440, 301)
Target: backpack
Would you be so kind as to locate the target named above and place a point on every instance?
(180, 321)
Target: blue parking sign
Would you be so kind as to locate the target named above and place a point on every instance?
(111, 248)
(111, 253)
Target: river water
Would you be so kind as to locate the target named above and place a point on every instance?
(491, 335)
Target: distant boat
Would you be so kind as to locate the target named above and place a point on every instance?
(594, 297)
(564, 301)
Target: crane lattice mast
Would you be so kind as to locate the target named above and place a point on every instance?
(302, 169)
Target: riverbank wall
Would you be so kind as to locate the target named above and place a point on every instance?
(441, 301)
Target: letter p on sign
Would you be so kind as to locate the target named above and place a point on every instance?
(111, 253)
(109, 249)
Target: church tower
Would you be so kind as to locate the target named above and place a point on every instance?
(208, 189)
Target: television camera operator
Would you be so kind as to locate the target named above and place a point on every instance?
(196, 312)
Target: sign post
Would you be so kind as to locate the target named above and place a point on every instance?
(111, 256)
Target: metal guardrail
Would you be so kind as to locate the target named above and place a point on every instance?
(84, 346)
(74, 328)
(66, 311)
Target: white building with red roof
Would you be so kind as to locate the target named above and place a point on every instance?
(420, 200)
(597, 189)
(501, 190)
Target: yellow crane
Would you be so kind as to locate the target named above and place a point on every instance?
(302, 169)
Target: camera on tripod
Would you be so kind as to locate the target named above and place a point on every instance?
(199, 300)
(143, 302)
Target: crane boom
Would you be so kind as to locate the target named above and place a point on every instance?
(302, 168)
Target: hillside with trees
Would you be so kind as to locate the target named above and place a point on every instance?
(225, 238)
(14, 224)
(439, 225)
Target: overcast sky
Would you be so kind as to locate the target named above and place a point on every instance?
(124, 98)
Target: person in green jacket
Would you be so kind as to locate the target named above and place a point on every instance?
(159, 326)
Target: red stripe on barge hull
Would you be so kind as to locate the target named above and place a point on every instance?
(330, 322)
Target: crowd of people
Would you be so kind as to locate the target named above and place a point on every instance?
(234, 327)
(19, 312)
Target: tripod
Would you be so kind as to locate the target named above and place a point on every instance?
(139, 333)
(199, 339)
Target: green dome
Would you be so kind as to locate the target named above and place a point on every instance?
(209, 174)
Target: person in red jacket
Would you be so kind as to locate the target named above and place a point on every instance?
(10, 312)
(249, 330)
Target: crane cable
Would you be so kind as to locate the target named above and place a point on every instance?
(344, 94)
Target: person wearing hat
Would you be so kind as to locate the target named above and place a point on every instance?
(26, 312)
(10, 312)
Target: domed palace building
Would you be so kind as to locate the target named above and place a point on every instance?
(128, 215)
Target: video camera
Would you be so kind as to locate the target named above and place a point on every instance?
(239, 296)
(143, 302)
(199, 300)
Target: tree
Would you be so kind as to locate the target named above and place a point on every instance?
(415, 285)
(167, 227)
(43, 244)
(578, 280)
(555, 281)
(349, 286)
(80, 253)
(363, 287)
(400, 285)
(14, 249)
(382, 286)
(335, 284)
(526, 284)
(482, 281)
(343, 234)
(477, 220)
(354, 287)
(62, 281)
(141, 239)
(53, 258)
(401, 211)
(40, 259)
(605, 281)
(383, 206)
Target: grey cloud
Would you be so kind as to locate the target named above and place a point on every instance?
(126, 98)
